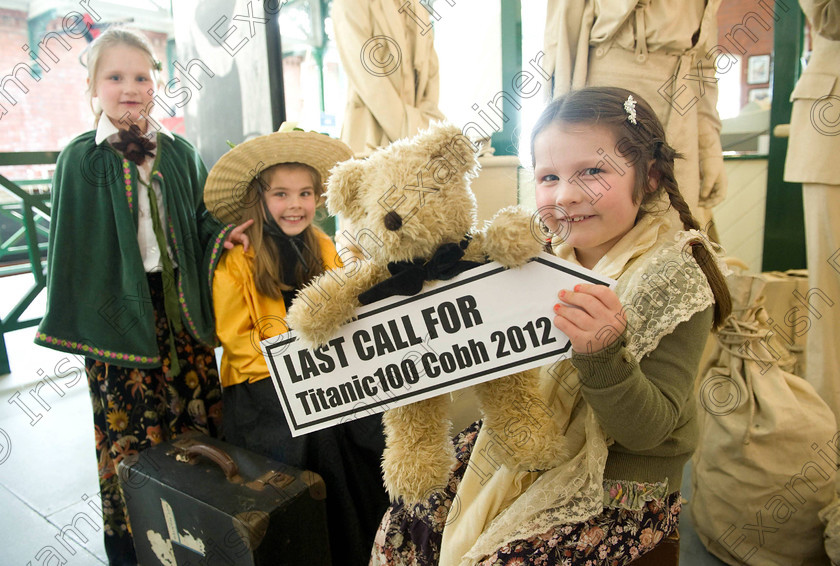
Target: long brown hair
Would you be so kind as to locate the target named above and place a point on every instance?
(640, 144)
(268, 263)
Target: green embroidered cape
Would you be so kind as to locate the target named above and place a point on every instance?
(98, 302)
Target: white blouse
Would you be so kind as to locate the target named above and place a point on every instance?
(149, 251)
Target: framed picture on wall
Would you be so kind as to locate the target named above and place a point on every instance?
(758, 70)
(758, 95)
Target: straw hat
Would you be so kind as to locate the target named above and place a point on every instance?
(227, 183)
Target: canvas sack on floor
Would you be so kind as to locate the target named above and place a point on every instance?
(766, 459)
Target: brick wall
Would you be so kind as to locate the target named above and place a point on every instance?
(55, 110)
(758, 14)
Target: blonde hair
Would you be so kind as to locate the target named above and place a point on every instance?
(110, 38)
(268, 264)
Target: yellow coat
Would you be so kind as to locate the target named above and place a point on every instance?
(244, 317)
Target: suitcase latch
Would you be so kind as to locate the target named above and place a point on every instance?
(277, 480)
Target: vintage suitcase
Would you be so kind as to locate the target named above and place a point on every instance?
(200, 501)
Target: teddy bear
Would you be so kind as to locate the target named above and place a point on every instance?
(414, 196)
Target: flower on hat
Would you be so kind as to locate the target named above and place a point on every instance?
(289, 127)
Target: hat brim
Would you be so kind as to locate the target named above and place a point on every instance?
(228, 180)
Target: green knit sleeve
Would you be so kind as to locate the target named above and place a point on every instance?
(640, 404)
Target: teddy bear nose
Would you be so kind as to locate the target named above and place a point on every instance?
(393, 221)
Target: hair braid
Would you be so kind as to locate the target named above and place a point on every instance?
(679, 204)
(664, 157)
(704, 258)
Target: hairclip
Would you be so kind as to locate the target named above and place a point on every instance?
(157, 65)
(630, 108)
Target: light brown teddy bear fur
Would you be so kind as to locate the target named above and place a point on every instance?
(426, 180)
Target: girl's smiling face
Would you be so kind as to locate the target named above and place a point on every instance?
(289, 195)
(581, 195)
(124, 85)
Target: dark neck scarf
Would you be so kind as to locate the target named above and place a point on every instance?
(134, 145)
(291, 250)
(407, 277)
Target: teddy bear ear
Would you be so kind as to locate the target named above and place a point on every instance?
(448, 142)
(343, 188)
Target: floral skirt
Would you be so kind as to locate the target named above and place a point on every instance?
(412, 535)
(134, 409)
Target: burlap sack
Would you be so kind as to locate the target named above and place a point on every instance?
(768, 448)
(787, 308)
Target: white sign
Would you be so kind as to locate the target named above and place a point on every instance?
(486, 323)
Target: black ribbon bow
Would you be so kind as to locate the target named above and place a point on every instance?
(134, 145)
(407, 277)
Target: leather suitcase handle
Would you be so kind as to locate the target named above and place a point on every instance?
(218, 455)
(188, 447)
(194, 448)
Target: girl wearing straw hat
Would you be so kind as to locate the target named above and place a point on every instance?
(276, 182)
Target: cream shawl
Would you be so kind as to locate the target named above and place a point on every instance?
(495, 504)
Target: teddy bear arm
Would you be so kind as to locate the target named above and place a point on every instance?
(512, 237)
(475, 251)
(329, 301)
